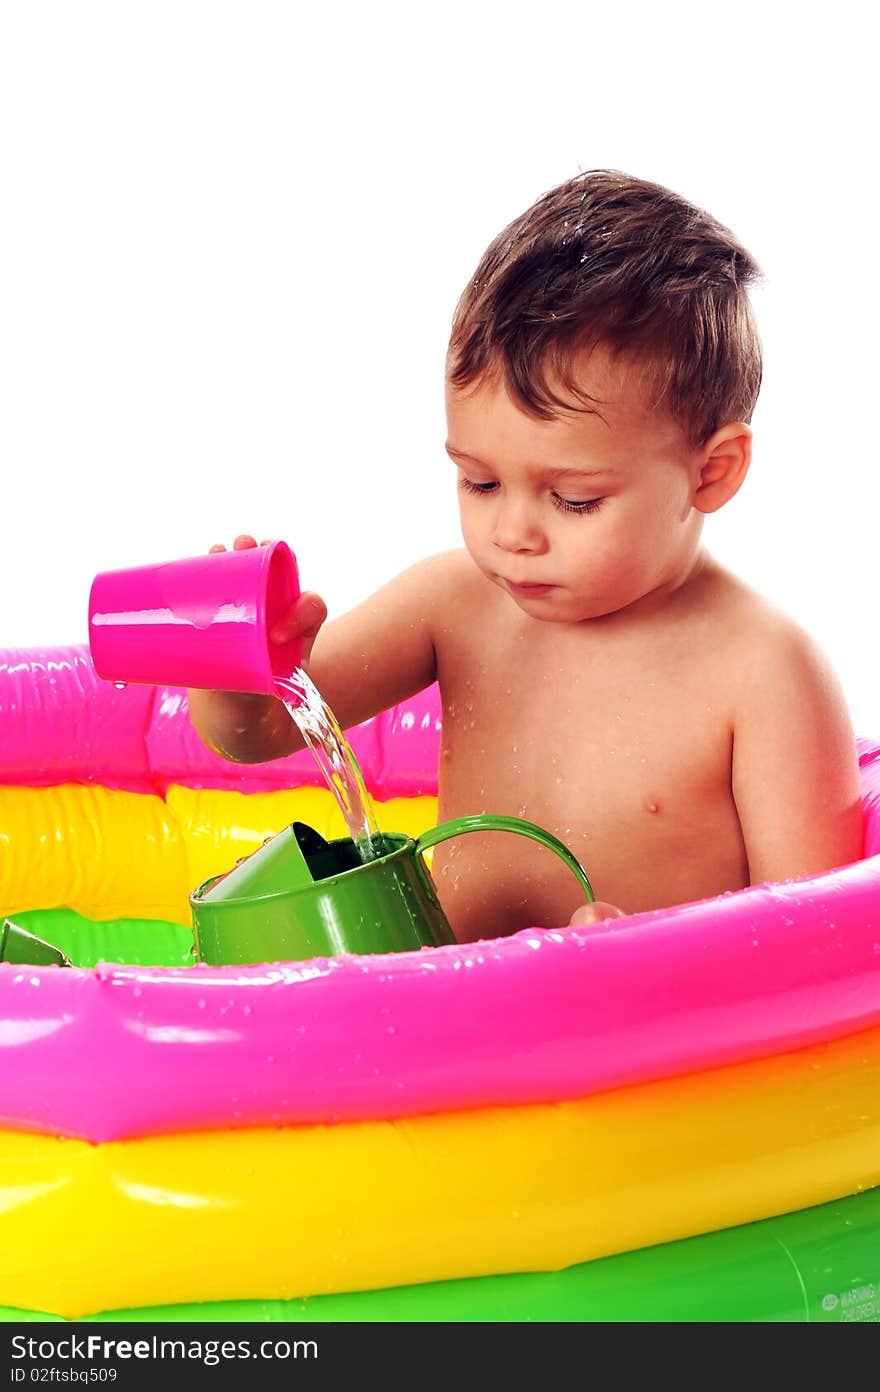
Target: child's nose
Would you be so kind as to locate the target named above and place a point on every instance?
(515, 528)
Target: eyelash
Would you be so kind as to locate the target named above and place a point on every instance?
(563, 504)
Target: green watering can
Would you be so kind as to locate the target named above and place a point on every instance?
(300, 896)
(18, 946)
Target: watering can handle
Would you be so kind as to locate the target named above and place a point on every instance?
(480, 822)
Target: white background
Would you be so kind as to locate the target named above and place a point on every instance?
(233, 236)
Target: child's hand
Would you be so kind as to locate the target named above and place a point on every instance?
(594, 913)
(304, 617)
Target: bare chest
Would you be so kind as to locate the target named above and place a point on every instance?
(622, 750)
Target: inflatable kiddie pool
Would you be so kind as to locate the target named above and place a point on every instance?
(675, 1116)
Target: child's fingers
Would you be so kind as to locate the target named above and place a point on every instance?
(243, 542)
(304, 617)
(302, 620)
(594, 913)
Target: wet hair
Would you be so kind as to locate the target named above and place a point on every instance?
(607, 260)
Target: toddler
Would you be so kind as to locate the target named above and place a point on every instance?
(600, 673)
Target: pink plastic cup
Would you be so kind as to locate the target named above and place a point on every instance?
(202, 622)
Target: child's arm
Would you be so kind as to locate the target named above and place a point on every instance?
(795, 771)
(363, 662)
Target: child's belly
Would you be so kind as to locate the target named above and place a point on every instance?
(646, 808)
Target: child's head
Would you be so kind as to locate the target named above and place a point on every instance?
(606, 260)
(604, 360)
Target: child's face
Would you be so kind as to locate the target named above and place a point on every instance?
(580, 516)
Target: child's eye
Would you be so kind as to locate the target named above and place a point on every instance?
(470, 487)
(568, 505)
(563, 504)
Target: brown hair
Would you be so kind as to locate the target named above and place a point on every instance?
(607, 259)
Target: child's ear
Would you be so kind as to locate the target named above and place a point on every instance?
(723, 464)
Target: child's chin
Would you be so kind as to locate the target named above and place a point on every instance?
(550, 605)
(558, 606)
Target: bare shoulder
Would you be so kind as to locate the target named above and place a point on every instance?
(414, 595)
(450, 573)
(385, 649)
(794, 766)
(768, 652)
(448, 588)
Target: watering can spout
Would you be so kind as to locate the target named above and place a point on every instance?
(281, 865)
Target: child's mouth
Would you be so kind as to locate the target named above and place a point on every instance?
(530, 591)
